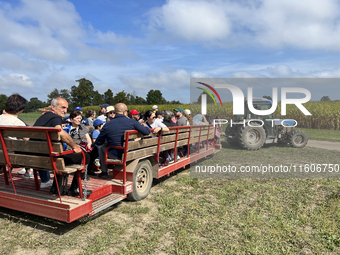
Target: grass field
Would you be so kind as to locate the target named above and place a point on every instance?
(184, 215)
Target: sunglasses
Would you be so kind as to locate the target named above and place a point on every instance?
(111, 112)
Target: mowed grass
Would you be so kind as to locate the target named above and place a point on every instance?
(30, 118)
(184, 215)
(322, 134)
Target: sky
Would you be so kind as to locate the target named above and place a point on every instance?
(138, 45)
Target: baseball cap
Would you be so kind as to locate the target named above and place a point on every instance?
(155, 107)
(158, 113)
(110, 108)
(187, 111)
(134, 112)
(179, 109)
(104, 105)
(97, 122)
(78, 108)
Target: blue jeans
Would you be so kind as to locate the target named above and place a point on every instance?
(44, 175)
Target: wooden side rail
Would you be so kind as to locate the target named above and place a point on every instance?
(41, 152)
(150, 145)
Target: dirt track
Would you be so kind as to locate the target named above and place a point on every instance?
(335, 146)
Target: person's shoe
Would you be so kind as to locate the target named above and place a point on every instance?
(178, 157)
(103, 175)
(22, 171)
(97, 162)
(47, 184)
(28, 176)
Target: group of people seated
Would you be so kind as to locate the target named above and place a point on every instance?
(109, 129)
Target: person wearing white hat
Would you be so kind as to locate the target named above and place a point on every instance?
(155, 108)
(110, 113)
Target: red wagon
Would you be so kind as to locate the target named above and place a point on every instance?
(130, 177)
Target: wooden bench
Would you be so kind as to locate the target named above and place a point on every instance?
(41, 152)
(153, 144)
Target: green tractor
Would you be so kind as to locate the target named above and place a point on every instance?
(252, 131)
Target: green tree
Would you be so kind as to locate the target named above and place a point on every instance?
(140, 100)
(268, 97)
(97, 98)
(175, 102)
(132, 97)
(65, 93)
(55, 93)
(154, 97)
(108, 97)
(325, 99)
(34, 104)
(82, 95)
(209, 99)
(3, 99)
(121, 97)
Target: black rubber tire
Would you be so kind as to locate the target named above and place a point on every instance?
(298, 139)
(228, 131)
(233, 142)
(142, 181)
(252, 138)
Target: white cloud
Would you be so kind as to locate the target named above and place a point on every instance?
(53, 31)
(306, 24)
(174, 85)
(14, 62)
(170, 81)
(284, 71)
(15, 81)
(192, 20)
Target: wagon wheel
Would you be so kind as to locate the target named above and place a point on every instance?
(142, 181)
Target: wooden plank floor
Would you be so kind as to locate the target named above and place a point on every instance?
(27, 188)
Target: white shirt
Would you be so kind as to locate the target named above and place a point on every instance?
(158, 123)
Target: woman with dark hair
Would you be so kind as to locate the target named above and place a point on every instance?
(90, 115)
(80, 136)
(78, 131)
(152, 122)
(14, 106)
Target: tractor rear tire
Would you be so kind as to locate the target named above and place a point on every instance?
(142, 181)
(252, 137)
(232, 142)
(298, 139)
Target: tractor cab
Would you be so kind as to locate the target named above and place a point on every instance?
(259, 104)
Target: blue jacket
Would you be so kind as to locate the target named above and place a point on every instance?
(113, 132)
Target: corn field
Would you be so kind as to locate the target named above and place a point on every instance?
(325, 115)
